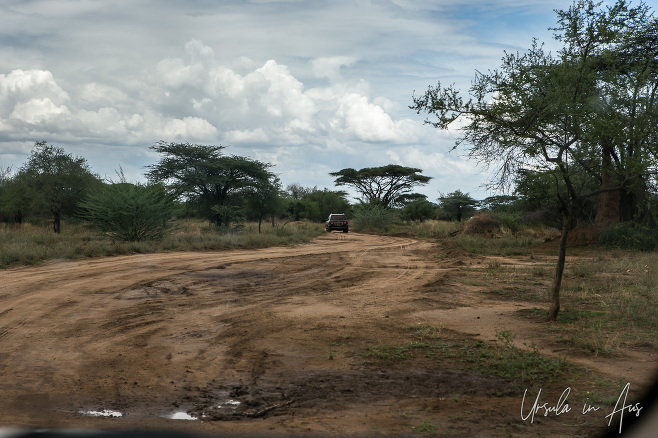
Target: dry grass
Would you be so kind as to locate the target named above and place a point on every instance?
(608, 299)
(28, 244)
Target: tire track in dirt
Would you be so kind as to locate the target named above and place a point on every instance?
(278, 327)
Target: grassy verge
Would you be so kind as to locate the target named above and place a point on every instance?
(28, 244)
(608, 298)
(500, 359)
(523, 368)
(503, 243)
(611, 302)
(430, 229)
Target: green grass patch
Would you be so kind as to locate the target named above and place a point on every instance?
(501, 359)
(385, 352)
(425, 427)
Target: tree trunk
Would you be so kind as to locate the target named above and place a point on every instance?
(57, 226)
(607, 212)
(272, 217)
(628, 210)
(260, 220)
(559, 269)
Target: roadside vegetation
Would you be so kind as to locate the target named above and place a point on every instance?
(30, 244)
(501, 359)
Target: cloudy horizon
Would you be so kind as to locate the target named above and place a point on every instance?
(311, 87)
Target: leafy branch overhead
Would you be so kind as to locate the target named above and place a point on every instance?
(383, 185)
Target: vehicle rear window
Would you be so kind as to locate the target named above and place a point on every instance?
(338, 217)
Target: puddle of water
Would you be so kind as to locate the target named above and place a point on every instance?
(229, 404)
(181, 415)
(103, 413)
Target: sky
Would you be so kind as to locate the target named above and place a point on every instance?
(311, 87)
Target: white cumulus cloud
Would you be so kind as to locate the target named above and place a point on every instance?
(38, 110)
(189, 129)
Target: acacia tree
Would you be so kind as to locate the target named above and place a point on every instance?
(457, 204)
(313, 203)
(53, 182)
(382, 185)
(265, 198)
(621, 47)
(219, 184)
(538, 111)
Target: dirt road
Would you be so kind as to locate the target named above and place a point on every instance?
(245, 341)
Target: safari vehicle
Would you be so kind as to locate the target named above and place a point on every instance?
(337, 222)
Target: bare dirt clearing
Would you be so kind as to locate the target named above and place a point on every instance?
(271, 340)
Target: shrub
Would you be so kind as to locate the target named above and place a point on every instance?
(130, 212)
(372, 217)
(630, 236)
(509, 221)
(418, 210)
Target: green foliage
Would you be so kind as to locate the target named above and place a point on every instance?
(217, 184)
(425, 427)
(587, 114)
(456, 206)
(372, 217)
(315, 204)
(630, 236)
(383, 185)
(589, 109)
(130, 212)
(499, 203)
(7, 201)
(408, 198)
(51, 184)
(385, 352)
(265, 198)
(328, 202)
(540, 192)
(509, 221)
(418, 210)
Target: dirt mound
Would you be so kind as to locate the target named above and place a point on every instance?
(483, 224)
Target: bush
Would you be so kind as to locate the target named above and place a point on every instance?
(509, 221)
(372, 217)
(418, 211)
(130, 212)
(630, 236)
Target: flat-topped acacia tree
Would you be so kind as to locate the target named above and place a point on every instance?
(218, 184)
(382, 185)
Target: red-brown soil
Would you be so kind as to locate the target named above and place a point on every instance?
(272, 341)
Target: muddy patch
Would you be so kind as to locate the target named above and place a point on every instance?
(285, 392)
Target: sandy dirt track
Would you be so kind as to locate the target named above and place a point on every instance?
(264, 341)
